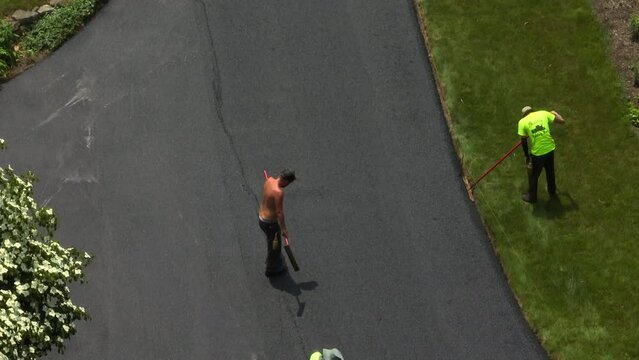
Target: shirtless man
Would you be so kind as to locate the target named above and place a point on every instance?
(272, 220)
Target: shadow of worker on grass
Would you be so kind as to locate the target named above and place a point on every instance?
(555, 207)
(286, 283)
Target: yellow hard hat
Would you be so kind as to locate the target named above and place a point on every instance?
(316, 356)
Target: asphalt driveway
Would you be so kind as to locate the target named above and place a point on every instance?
(149, 131)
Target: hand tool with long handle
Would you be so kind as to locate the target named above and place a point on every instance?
(472, 186)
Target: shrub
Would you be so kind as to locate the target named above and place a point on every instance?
(57, 26)
(634, 27)
(8, 55)
(633, 114)
(36, 312)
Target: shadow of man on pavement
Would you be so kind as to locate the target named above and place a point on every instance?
(286, 283)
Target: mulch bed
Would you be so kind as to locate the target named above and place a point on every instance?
(615, 16)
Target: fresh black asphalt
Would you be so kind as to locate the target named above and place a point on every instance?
(149, 131)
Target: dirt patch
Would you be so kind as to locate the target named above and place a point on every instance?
(615, 16)
(23, 64)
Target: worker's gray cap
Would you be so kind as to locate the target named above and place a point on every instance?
(526, 109)
(332, 354)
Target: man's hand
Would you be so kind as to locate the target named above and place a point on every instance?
(558, 118)
(285, 233)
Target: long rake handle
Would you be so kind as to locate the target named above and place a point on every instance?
(289, 252)
(474, 185)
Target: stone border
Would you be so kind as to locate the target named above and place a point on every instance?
(22, 20)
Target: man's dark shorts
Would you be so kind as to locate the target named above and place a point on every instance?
(274, 260)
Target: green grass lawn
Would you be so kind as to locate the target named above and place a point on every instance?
(8, 6)
(573, 264)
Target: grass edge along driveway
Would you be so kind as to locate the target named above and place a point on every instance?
(573, 265)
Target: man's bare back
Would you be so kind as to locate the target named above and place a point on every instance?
(272, 200)
(272, 207)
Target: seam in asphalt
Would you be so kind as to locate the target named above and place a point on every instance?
(218, 103)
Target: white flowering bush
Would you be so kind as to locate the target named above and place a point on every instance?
(36, 312)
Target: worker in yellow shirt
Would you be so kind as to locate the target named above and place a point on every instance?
(535, 125)
(327, 354)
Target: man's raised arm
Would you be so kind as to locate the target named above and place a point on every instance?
(558, 118)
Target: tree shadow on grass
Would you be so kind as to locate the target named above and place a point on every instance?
(555, 207)
(286, 283)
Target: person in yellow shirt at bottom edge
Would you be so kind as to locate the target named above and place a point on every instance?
(535, 125)
(327, 354)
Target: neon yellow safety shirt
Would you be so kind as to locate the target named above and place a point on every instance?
(536, 126)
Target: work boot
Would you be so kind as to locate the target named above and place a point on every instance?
(526, 197)
(271, 273)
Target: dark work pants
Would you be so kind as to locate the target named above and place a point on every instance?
(274, 259)
(539, 163)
